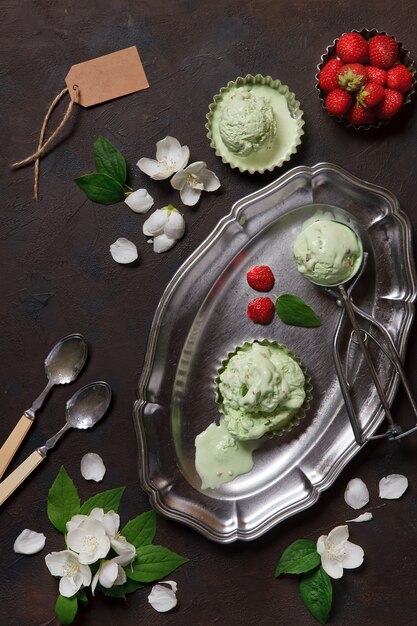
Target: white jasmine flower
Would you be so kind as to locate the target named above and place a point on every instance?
(194, 179)
(393, 486)
(92, 467)
(337, 553)
(166, 226)
(123, 251)
(108, 574)
(139, 201)
(356, 493)
(74, 574)
(364, 517)
(170, 157)
(89, 539)
(161, 598)
(29, 542)
(111, 522)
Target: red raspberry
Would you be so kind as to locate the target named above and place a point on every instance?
(352, 48)
(390, 105)
(261, 310)
(261, 278)
(328, 75)
(383, 51)
(399, 78)
(371, 95)
(338, 102)
(360, 115)
(376, 75)
(352, 76)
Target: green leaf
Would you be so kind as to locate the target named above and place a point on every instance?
(295, 312)
(120, 591)
(82, 598)
(101, 188)
(66, 609)
(109, 160)
(63, 501)
(106, 500)
(300, 556)
(153, 563)
(316, 593)
(141, 530)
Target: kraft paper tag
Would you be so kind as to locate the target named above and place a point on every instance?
(107, 77)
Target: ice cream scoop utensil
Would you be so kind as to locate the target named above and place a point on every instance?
(62, 365)
(84, 409)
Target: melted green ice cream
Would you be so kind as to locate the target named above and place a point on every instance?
(247, 121)
(327, 252)
(260, 389)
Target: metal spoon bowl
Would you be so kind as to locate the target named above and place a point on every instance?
(66, 359)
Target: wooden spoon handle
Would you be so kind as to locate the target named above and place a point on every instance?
(13, 480)
(13, 441)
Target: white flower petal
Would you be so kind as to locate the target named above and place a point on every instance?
(190, 196)
(94, 582)
(321, 544)
(356, 493)
(338, 535)
(170, 151)
(154, 169)
(175, 225)
(125, 550)
(196, 168)
(139, 201)
(108, 573)
(179, 180)
(29, 542)
(111, 522)
(209, 180)
(69, 586)
(92, 467)
(75, 521)
(393, 486)
(162, 599)
(353, 556)
(332, 567)
(121, 576)
(162, 243)
(123, 251)
(57, 562)
(154, 225)
(364, 517)
(89, 540)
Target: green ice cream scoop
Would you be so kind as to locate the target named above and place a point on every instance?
(327, 253)
(247, 121)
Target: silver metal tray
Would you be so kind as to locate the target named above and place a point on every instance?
(201, 317)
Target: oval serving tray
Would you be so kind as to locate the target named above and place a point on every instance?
(201, 317)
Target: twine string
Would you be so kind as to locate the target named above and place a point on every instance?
(42, 146)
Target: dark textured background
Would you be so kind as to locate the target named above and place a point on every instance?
(57, 277)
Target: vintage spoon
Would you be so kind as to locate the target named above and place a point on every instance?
(86, 407)
(62, 365)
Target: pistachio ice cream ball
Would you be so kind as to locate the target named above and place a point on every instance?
(327, 252)
(247, 121)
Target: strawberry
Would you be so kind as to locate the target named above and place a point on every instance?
(261, 278)
(371, 95)
(328, 75)
(261, 310)
(376, 75)
(338, 102)
(360, 115)
(390, 105)
(352, 76)
(383, 51)
(399, 78)
(352, 48)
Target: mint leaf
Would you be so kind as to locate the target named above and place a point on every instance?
(109, 160)
(101, 188)
(82, 598)
(63, 501)
(141, 530)
(106, 500)
(120, 591)
(316, 593)
(300, 556)
(295, 312)
(153, 563)
(66, 609)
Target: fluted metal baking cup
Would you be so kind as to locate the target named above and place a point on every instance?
(293, 107)
(308, 387)
(404, 57)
